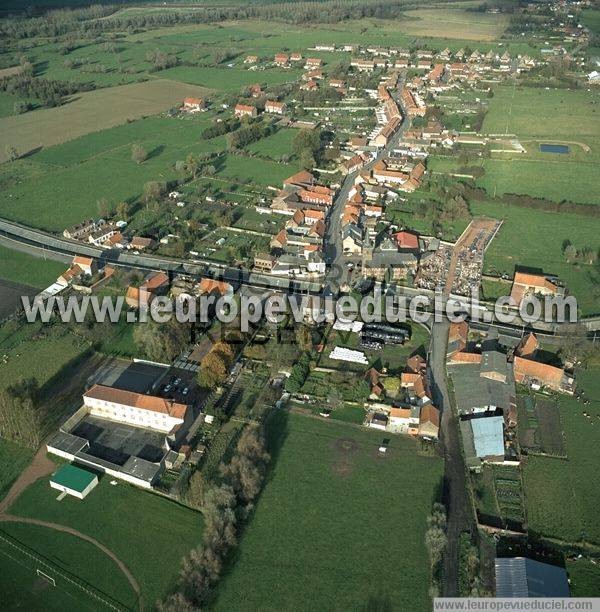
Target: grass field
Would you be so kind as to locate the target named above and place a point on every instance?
(38, 356)
(229, 79)
(561, 499)
(99, 165)
(13, 459)
(150, 536)
(584, 577)
(534, 238)
(23, 589)
(334, 523)
(536, 112)
(454, 23)
(90, 112)
(276, 145)
(23, 268)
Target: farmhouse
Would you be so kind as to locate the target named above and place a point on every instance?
(537, 375)
(193, 105)
(313, 62)
(81, 231)
(281, 59)
(296, 57)
(86, 264)
(429, 422)
(245, 110)
(278, 108)
(363, 65)
(525, 284)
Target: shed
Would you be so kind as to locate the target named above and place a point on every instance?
(73, 481)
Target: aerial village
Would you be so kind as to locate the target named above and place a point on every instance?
(338, 217)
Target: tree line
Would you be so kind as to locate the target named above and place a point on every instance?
(225, 505)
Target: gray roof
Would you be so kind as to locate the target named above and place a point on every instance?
(473, 391)
(521, 577)
(68, 443)
(392, 259)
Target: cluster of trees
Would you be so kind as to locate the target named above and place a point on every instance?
(299, 374)
(138, 153)
(436, 541)
(225, 507)
(49, 92)
(161, 60)
(21, 413)
(161, 342)
(308, 147)
(88, 22)
(586, 255)
(244, 136)
(470, 583)
(221, 128)
(214, 368)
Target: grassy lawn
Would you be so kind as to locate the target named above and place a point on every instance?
(150, 536)
(259, 171)
(276, 145)
(561, 499)
(584, 578)
(25, 591)
(13, 460)
(33, 271)
(38, 355)
(333, 526)
(454, 23)
(97, 166)
(229, 79)
(533, 238)
(533, 112)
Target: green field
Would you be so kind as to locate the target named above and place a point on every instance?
(534, 238)
(584, 577)
(90, 112)
(536, 112)
(276, 145)
(99, 166)
(334, 523)
(23, 590)
(28, 270)
(38, 356)
(148, 533)
(561, 498)
(13, 460)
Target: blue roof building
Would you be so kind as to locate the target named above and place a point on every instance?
(488, 436)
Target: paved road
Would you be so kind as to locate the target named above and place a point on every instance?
(455, 497)
(338, 272)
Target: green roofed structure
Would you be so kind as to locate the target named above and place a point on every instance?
(73, 481)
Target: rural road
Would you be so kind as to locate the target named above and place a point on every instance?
(455, 497)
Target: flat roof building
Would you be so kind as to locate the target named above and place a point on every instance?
(74, 481)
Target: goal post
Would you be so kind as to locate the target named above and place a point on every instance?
(45, 576)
